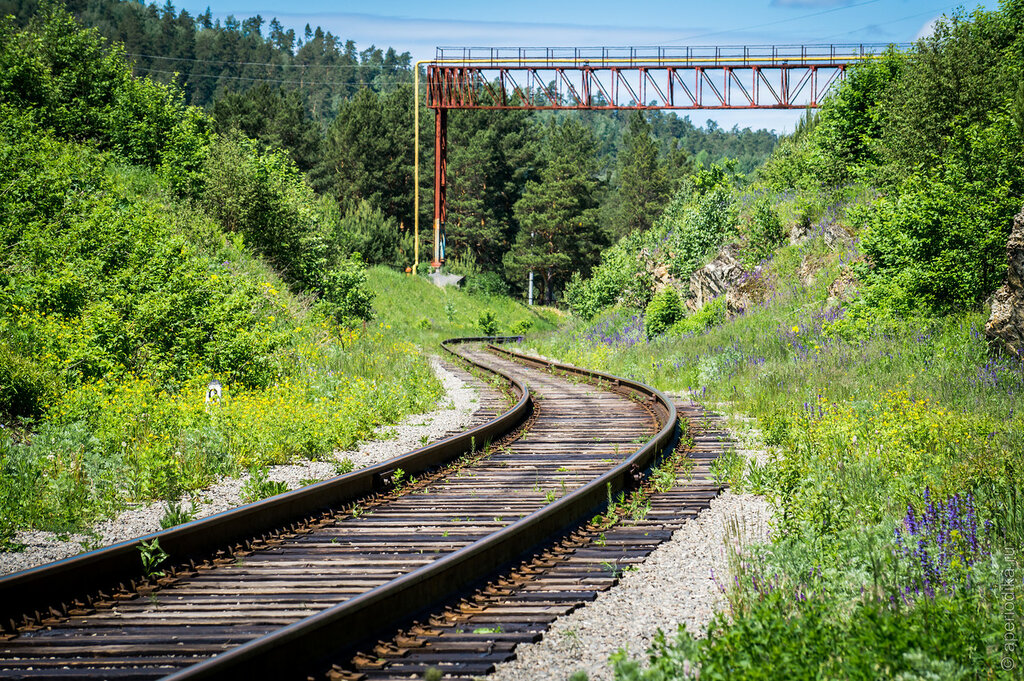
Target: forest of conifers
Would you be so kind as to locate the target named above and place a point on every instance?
(344, 115)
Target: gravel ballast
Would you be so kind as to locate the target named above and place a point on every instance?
(673, 586)
(460, 402)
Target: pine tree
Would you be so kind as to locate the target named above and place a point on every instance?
(275, 117)
(491, 155)
(558, 227)
(643, 182)
(369, 153)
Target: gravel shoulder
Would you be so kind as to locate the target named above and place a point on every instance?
(673, 586)
(454, 414)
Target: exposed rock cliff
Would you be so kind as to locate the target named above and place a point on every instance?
(725, 275)
(1005, 328)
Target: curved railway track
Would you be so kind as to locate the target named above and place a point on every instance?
(334, 565)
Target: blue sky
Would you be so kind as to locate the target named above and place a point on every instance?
(419, 27)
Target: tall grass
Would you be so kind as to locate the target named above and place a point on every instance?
(107, 444)
(867, 425)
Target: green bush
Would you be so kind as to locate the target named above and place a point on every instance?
(368, 231)
(701, 217)
(26, 384)
(488, 323)
(116, 287)
(521, 327)
(346, 297)
(622, 277)
(711, 314)
(80, 86)
(486, 284)
(939, 245)
(764, 233)
(263, 195)
(664, 310)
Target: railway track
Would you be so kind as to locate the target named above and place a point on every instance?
(467, 639)
(334, 565)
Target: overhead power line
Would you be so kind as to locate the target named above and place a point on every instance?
(262, 80)
(776, 22)
(264, 63)
(945, 7)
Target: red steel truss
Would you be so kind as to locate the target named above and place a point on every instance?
(683, 78)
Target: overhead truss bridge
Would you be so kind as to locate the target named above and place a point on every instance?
(617, 78)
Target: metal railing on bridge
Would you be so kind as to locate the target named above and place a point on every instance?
(715, 77)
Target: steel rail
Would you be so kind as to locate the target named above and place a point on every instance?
(351, 624)
(51, 586)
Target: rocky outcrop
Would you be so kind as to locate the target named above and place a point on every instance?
(662, 278)
(832, 232)
(725, 276)
(843, 289)
(714, 279)
(1005, 327)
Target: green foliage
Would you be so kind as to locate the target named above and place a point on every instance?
(764, 233)
(858, 427)
(262, 195)
(152, 555)
(116, 289)
(936, 130)
(711, 314)
(344, 466)
(368, 153)
(275, 117)
(935, 639)
(664, 310)
(620, 278)
(643, 183)
(26, 384)
(259, 486)
(346, 297)
(728, 469)
(79, 86)
(374, 236)
(558, 230)
(491, 156)
(939, 244)
(162, 39)
(961, 76)
(486, 284)
(118, 303)
(175, 513)
(521, 327)
(698, 221)
(701, 217)
(488, 323)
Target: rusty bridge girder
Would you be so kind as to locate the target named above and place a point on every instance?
(603, 78)
(644, 87)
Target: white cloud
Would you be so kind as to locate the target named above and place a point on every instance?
(928, 28)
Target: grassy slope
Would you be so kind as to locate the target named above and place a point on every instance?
(125, 435)
(417, 310)
(859, 428)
